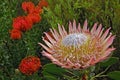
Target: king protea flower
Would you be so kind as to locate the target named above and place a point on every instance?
(78, 48)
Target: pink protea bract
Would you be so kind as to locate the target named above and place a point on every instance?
(78, 48)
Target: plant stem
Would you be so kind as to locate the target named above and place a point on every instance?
(100, 74)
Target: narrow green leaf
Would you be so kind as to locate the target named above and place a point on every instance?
(50, 78)
(52, 69)
(109, 62)
(115, 75)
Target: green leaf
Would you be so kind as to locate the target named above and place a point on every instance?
(109, 62)
(52, 70)
(57, 10)
(115, 75)
(50, 78)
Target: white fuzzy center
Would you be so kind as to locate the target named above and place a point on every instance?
(74, 39)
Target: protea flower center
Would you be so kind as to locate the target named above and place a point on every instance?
(75, 39)
(78, 48)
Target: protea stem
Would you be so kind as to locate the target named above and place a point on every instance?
(100, 74)
(84, 77)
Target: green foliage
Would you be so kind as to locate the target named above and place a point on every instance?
(52, 72)
(115, 75)
(53, 69)
(63, 11)
(109, 62)
(60, 11)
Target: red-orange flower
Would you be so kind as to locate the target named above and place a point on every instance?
(27, 24)
(15, 34)
(17, 22)
(43, 3)
(37, 10)
(35, 17)
(29, 65)
(28, 7)
(22, 23)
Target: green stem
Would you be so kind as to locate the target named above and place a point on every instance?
(70, 72)
(100, 74)
(103, 75)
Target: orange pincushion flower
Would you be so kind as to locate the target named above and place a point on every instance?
(22, 23)
(15, 34)
(37, 10)
(79, 48)
(30, 65)
(28, 7)
(27, 24)
(17, 22)
(35, 17)
(43, 3)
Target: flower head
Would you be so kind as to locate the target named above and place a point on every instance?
(28, 7)
(37, 10)
(35, 18)
(78, 48)
(29, 65)
(17, 22)
(43, 3)
(15, 34)
(22, 23)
